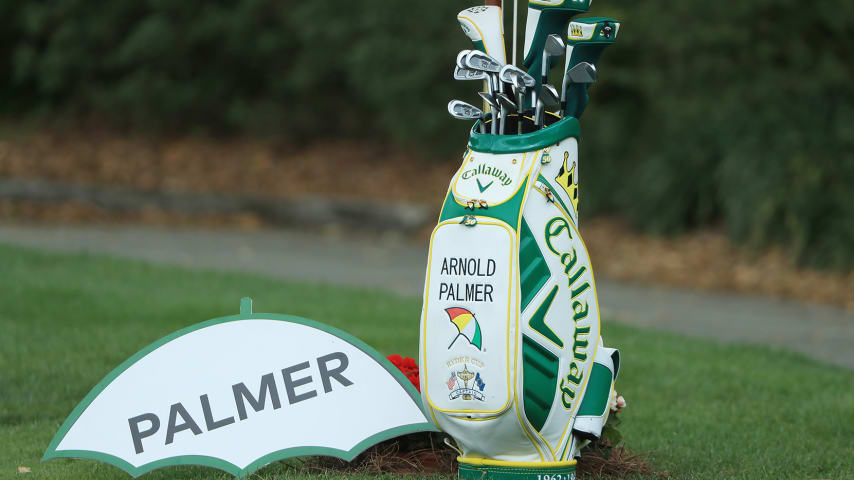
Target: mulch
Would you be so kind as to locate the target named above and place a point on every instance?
(426, 454)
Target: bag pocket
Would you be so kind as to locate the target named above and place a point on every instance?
(470, 317)
(595, 406)
(492, 178)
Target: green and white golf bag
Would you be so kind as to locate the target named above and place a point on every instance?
(513, 366)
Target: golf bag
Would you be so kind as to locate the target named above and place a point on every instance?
(512, 363)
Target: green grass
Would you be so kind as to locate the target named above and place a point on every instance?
(701, 409)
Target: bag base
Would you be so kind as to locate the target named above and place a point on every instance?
(486, 469)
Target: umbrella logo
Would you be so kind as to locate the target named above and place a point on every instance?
(466, 324)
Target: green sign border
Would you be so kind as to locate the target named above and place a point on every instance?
(245, 314)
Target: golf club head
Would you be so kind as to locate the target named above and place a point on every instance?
(490, 100)
(463, 73)
(464, 111)
(482, 24)
(582, 73)
(549, 96)
(461, 58)
(554, 45)
(478, 60)
(509, 72)
(505, 101)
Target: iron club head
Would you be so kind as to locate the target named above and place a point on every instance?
(478, 60)
(554, 45)
(505, 101)
(508, 72)
(582, 73)
(461, 58)
(464, 111)
(549, 96)
(463, 73)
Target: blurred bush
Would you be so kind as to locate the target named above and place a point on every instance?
(732, 113)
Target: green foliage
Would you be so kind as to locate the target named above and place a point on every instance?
(733, 113)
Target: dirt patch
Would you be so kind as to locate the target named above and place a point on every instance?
(352, 170)
(335, 169)
(707, 260)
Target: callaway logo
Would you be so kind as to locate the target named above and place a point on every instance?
(481, 187)
(484, 169)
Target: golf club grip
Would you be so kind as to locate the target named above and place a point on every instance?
(495, 3)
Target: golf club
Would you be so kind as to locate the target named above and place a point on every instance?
(582, 73)
(586, 39)
(546, 17)
(548, 98)
(478, 60)
(508, 74)
(466, 111)
(519, 86)
(461, 58)
(553, 47)
(493, 105)
(463, 73)
(507, 104)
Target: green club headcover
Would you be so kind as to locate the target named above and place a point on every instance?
(546, 17)
(587, 38)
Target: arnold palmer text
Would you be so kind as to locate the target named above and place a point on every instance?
(468, 268)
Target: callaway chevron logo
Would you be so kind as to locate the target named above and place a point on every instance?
(467, 326)
(481, 187)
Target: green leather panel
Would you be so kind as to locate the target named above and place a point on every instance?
(598, 391)
(507, 212)
(539, 375)
(533, 270)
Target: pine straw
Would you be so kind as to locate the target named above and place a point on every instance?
(426, 454)
(603, 461)
(414, 454)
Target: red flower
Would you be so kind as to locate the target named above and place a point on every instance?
(408, 367)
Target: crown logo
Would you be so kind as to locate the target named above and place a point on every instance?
(567, 180)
